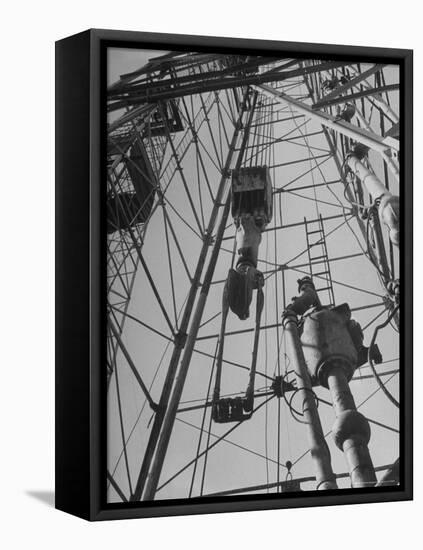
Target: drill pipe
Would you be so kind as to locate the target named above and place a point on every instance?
(351, 431)
(389, 203)
(318, 447)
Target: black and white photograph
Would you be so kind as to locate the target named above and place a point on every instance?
(253, 275)
(211, 235)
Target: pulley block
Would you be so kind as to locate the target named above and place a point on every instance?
(252, 194)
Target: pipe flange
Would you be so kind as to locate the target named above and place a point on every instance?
(350, 424)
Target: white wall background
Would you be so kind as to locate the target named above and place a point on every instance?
(28, 32)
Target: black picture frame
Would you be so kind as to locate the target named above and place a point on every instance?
(80, 289)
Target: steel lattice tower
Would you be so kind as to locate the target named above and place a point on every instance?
(177, 128)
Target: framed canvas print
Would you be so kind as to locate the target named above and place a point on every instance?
(234, 274)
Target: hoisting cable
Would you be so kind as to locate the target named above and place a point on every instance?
(235, 409)
(248, 399)
(370, 360)
(200, 438)
(259, 309)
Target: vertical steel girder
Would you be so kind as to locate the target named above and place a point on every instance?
(170, 414)
(172, 389)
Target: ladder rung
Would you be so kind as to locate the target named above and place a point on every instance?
(319, 263)
(321, 273)
(313, 232)
(317, 258)
(324, 288)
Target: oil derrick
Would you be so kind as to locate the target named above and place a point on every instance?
(217, 165)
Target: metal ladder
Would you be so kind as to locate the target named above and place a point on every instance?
(319, 260)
